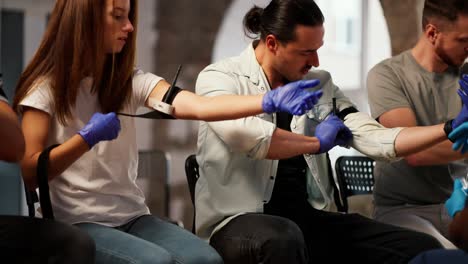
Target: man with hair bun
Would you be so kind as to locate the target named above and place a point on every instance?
(265, 190)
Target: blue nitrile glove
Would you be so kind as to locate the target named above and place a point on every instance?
(463, 93)
(344, 136)
(292, 98)
(459, 137)
(332, 132)
(457, 200)
(100, 127)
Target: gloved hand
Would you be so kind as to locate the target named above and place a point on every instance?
(463, 93)
(100, 127)
(457, 200)
(292, 98)
(460, 138)
(332, 132)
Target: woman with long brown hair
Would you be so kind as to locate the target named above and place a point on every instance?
(81, 75)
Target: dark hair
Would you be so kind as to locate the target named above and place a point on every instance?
(280, 18)
(446, 10)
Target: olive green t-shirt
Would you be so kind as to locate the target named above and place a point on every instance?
(400, 82)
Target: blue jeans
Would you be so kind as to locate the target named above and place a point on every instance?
(441, 256)
(148, 239)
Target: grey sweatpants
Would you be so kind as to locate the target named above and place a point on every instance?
(430, 219)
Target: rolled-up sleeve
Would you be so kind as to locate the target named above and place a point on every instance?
(371, 138)
(40, 97)
(251, 135)
(385, 92)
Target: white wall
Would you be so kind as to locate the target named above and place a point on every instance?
(378, 39)
(231, 40)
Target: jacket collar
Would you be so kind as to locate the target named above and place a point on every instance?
(249, 65)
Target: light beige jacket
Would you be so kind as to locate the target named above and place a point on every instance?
(235, 177)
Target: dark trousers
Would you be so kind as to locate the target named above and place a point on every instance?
(33, 240)
(291, 231)
(441, 256)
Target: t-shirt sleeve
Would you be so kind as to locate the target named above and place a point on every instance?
(385, 90)
(255, 132)
(143, 85)
(371, 138)
(40, 97)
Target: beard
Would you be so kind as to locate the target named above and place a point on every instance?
(447, 59)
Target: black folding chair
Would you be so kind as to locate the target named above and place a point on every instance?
(192, 174)
(355, 176)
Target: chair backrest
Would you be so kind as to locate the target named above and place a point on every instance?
(153, 179)
(355, 175)
(43, 184)
(192, 174)
(31, 200)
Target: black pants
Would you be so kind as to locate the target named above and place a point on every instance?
(33, 240)
(291, 231)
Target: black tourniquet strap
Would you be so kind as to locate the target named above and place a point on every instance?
(43, 182)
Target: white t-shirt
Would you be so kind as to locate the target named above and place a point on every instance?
(100, 187)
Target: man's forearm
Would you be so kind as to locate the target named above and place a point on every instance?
(414, 139)
(438, 154)
(285, 144)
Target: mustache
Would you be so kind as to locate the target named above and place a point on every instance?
(307, 67)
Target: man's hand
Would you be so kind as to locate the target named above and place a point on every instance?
(463, 93)
(292, 98)
(332, 132)
(457, 200)
(459, 137)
